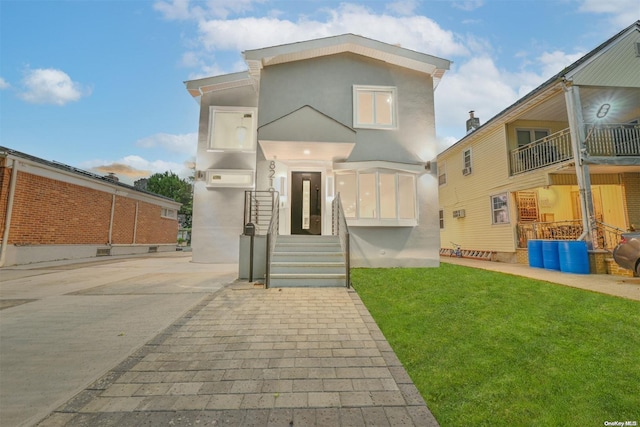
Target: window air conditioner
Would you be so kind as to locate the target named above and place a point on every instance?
(466, 171)
(459, 213)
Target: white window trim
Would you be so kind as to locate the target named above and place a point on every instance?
(394, 112)
(169, 213)
(442, 171)
(253, 130)
(382, 222)
(464, 163)
(493, 222)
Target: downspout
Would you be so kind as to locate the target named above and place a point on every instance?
(113, 208)
(7, 219)
(135, 225)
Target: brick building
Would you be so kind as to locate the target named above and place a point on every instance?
(51, 211)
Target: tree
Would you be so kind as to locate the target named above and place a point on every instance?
(170, 185)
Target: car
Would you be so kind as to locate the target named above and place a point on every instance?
(627, 253)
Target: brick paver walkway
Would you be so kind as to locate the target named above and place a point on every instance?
(255, 357)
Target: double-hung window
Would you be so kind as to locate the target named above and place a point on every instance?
(442, 174)
(466, 162)
(499, 209)
(378, 197)
(375, 107)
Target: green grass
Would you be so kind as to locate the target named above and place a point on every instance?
(487, 348)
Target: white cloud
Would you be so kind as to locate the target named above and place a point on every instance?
(174, 9)
(185, 143)
(222, 9)
(403, 7)
(132, 167)
(413, 32)
(477, 85)
(468, 5)
(218, 34)
(554, 62)
(481, 86)
(4, 84)
(622, 13)
(51, 86)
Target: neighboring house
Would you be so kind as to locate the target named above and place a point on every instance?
(50, 211)
(563, 162)
(309, 120)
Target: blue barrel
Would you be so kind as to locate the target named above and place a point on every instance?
(550, 255)
(574, 257)
(534, 248)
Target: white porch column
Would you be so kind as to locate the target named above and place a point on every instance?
(578, 145)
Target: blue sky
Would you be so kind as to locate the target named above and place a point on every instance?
(98, 84)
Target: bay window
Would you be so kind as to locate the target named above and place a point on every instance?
(378, 197)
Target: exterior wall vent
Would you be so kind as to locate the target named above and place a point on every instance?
(103, 252)
(466, 171)
(459, 213)
(153, 249)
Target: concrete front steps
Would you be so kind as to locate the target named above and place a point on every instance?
(307, 261)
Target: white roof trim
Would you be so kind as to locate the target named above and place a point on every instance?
(199, 87)
(258, 58)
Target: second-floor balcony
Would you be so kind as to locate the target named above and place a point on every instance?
(602, 141)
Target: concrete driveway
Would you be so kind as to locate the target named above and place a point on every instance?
(64, 325)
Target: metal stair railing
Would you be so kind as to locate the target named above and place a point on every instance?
(258, 209)
(608, 235)
(340, 228)
(272, 235)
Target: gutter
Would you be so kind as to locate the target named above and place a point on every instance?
(7, 221)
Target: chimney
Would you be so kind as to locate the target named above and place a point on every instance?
(473, 123)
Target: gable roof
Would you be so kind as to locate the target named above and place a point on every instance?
(551, 84)
(306, 133)
(257, 59)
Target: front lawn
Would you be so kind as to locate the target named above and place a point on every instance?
(487, 348)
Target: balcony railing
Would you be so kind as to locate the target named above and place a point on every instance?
(551, 149)
(613, 140)
(601, 141)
